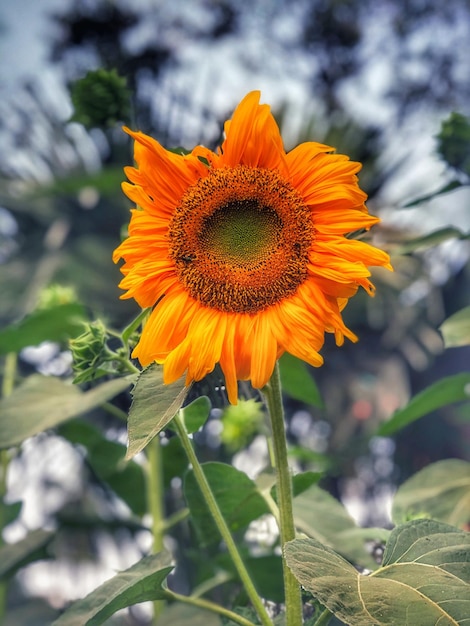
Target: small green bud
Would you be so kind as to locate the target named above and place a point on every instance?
(90, 353)
(454, 142)
(55, 295)
(240, 422)
(101, 99)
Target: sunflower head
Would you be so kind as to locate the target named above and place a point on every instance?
(242, 253)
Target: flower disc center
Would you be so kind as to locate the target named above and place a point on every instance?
(241, 232)
(240, 239)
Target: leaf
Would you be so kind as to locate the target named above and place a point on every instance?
(154, 405)
(195, 414)
(107, 460)
(431, 239)
(16, 555)
(43, 402)
(445, 391)
(318, 514)
(456, 329)
(57, 323)
(297, 381)
(237, 496)
(423, 580)
(140, 583)
(440, 491)
(448, 187)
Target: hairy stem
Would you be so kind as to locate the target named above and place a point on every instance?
(155, 502)
(220, 522)
(273, 395)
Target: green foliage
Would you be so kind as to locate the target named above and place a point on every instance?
(57, 322)
(107, 460)
(154, 405)
(440, 491)
(297, 382)
(456, 329)
(17, 555)
(322, 517)
(236, 494)
(101, 99)
(240, 422)
(43, 402)
(454, 142)
(423, 579)
(445, 391)
(141, 582)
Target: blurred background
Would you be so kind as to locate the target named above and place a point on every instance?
(373, 78)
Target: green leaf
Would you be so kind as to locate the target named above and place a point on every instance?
(448, 187)
(107, 460)
(237, 496)
(431, 239)
(195, 414)
(140, 583)
(9, 512)
(440, 491)
(43, 402)
(154, 405)
(297, 381)
(319, 515)
(424, 579)
(57, 323)
(445, 391)
(16, 555)
(456, 329)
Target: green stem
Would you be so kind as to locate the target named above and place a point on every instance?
(8, 384)
(209, 606)
(220, 522)
(273, 394)
(324, 618)
(155, 495)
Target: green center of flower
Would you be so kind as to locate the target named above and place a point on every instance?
(240, 239)
(241, 232)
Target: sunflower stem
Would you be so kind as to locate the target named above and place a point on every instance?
(8, 384)
(273, 395)
(209, 606)
(155, 503)
(220, 522)
(324, 618)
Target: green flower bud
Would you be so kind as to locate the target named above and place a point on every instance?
(101, 99)
(240, 422)
(90, 353)
(454, 142)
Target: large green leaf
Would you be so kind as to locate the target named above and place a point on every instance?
(237, 496)
(321, 516)
(43, 402)
(31, 548)
(424, 579)
(297, 381)
(107, 460)
(140, 583)
(154, 405)
(57, 323)
(445, 391)
(456, 329)
(440, 491)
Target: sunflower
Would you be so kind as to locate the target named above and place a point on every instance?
(242, 252)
